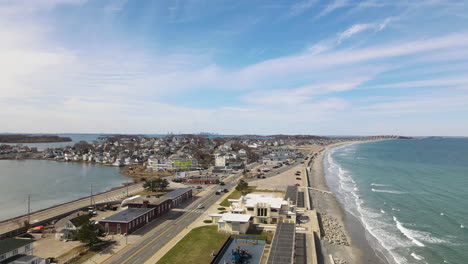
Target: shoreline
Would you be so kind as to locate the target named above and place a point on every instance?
(359, 250)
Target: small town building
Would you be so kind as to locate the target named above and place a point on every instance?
(17, 251)
(201, 180)
(178, 196)
(258, 209)
(127, 221)
(232, 223)
(66, 226)
(140, 212)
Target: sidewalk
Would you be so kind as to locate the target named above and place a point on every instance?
(199, 222)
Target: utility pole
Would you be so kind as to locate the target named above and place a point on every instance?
(127, 187)
(29, 209)
(91, 197)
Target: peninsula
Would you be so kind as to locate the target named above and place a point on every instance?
(20, 138)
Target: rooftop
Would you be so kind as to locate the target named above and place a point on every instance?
(11, 244)
(252, 199)
(176, 193)
(127, 215)
(228, 217)
(291, 193)
(282, 248)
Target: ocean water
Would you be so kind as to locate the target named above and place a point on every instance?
(410, 195)
(50, 183)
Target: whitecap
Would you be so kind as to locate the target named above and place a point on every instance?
(378, 184)
(416, 256)
(387, 191)
(462, 226)
(442, 214)
(382, 211)
(408, 233)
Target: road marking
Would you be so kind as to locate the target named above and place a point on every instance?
(154, 239)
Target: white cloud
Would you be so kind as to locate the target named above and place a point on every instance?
(300, 7)
(333, 6)
(358, 28)
(354, 29)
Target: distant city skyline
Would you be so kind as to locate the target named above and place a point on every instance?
(315, 67)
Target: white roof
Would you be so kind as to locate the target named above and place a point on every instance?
(228, 217)
(252, 199)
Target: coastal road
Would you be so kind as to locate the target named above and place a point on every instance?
(13, 224)
(176, 221)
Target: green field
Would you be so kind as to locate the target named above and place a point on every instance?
(236, 195)
(196, 246)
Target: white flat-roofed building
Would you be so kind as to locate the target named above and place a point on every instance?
(256, 209)
(232, 223)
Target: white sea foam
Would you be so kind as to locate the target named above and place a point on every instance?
(387, 191)
(382, 211)
(372, 220)
(378, 184)
(410, 234)
(416, 256)
(442, 214)
(462, 226)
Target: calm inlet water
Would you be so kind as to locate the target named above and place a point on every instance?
(50, 183)
(411, 195)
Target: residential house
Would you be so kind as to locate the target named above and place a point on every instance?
(17, 251)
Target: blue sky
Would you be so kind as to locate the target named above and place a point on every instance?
(265, 67)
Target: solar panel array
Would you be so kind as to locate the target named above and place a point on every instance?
(282, 249)
(300, 199)
(291, 193)
(300, 256)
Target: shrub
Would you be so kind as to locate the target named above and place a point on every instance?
(207, 221)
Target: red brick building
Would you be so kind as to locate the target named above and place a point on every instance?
(178, 196)
(201, 180)
(136, 216)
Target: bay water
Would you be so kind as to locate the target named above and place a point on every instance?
(50, 183)
(410, 195)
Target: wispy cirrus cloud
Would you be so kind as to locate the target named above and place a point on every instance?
(301, 7)
(336, 4)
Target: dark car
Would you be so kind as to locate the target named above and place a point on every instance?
(222, 183)
(297, 178)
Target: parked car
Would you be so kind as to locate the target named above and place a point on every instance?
(297, 184)
(199, 187)
(200, 206)
(298, 178)
(222, 183)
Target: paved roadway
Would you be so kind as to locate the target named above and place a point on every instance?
(43, 215)
(154, 240)
(173, 223)
(280, 170)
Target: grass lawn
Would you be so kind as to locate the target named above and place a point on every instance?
(196, 246)
(236, 195)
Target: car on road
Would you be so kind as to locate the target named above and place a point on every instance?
(298, 178)
(222, 183)
(199, 187)
(297, 184)
(200, 206)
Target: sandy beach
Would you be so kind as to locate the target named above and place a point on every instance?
(338, 222)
